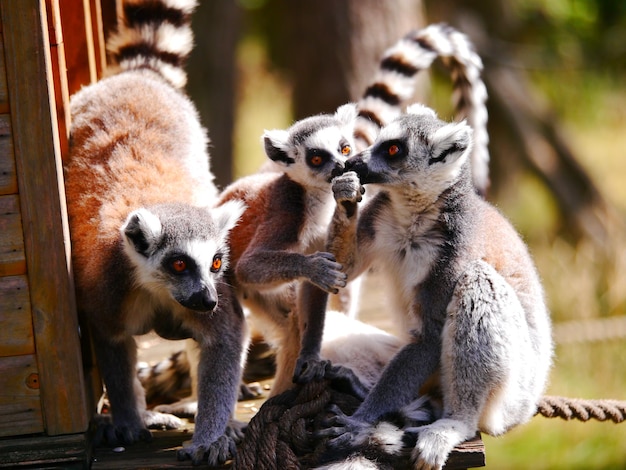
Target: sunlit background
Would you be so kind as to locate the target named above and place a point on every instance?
(555, 71)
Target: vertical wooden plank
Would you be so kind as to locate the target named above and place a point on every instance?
(78, 42)
(59, 73)
(44, 217)
(8, 177)
(97, 34)
(12, 258)
(16, 327)
(4, 99)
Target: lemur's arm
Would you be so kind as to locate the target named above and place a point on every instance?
(272, 257)
(343, 240)
(342, 243)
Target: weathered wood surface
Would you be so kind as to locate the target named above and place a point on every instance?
(12, 259)
(46, 236)
(4, 100)
(20, 406)
(16, 326)
(59, 452)
(8, 177)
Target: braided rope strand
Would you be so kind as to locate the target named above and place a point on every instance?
(581, 409)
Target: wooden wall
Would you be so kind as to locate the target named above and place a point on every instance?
(48, 49)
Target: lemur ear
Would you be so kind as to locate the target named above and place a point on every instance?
(141, 231)
(346, 114)
(227, 215)
(450, 142)
(275, 143)
(419, 109)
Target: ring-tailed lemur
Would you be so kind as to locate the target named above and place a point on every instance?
(461, 284)
(148, 251)
(288, 212)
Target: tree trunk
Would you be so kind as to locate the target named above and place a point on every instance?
(332, 47)
(213, 78)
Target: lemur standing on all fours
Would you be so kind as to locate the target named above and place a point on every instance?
(461, 285)
(148, 251)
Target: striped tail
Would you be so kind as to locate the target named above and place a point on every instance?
(395, 84)
(154, 34)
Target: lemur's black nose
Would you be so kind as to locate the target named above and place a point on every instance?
(357, 165)
(201, 301)
(337, 171)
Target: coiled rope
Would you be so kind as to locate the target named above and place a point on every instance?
(283, 433)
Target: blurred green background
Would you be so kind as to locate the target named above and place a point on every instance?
(566, 59)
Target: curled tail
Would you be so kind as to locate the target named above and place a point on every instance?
(395, 84)
(154, 34)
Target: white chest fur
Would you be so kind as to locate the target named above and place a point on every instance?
(405, 251)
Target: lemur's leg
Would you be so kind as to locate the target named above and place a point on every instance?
(117, 361)
(221, 338)
(480, 348)
(287, 355)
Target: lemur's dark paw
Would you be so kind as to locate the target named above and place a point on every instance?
(345, 380)
(235, 430)
(109, 434)
(249, 391)
(342, 429)
(218, 452)
(326, 273)
(309, 370)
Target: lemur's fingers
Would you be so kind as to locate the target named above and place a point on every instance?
(326, 273)
(215, 453)
(309, 369)
(347, 188)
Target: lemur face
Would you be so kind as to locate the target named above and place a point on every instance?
(179, 252)
(315, 149)
(415, 150)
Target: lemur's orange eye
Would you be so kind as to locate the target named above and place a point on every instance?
(217, 264)
(345, 150)
(179, 265)
(316, 160)
(393, 150)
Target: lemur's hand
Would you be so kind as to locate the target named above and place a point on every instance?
(219, 451)
(348, 191)
(325, 272)
(344, 430)
(309, 369)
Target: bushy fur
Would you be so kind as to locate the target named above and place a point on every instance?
(463, 289)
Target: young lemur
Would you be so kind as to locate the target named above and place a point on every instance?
(149, 252)
(280, 240)
(461, 284)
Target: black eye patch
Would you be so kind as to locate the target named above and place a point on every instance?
(317, 158)
(179, 264)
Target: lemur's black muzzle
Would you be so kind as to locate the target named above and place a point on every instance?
(359, 166)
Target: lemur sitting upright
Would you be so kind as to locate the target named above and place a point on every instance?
(461, 285)
(282, 234)
(148, 251)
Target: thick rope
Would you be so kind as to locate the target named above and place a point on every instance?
(582, 410)
(283, 433)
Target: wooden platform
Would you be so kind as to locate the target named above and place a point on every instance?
(161, 453)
